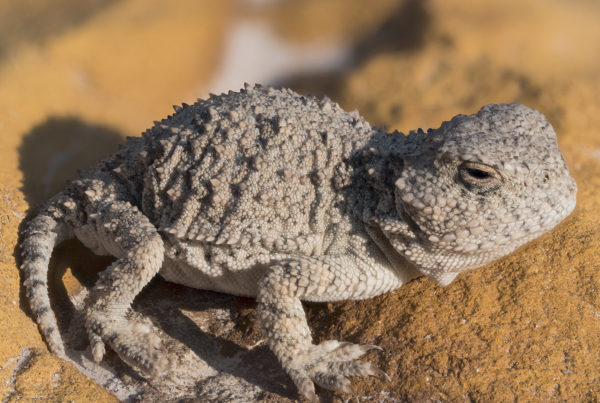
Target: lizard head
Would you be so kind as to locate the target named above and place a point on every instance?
(479, 187)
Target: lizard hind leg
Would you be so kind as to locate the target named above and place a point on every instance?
(125, 231)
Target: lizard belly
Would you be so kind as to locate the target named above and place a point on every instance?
(193, 270)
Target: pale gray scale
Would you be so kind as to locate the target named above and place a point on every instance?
(88, 236)
(193, 270)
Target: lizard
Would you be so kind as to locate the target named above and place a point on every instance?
(287, 198)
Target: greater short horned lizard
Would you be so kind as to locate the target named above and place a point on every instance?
(286, 198)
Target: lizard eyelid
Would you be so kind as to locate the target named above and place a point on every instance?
(479, 177)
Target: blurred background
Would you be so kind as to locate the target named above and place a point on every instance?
(78, 76)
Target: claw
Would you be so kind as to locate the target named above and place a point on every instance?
(367, 347)
(346, 386)
(98, 350)
(372, 370)
(307, 389)
(97, 345)
(312, 397)
(381, 374)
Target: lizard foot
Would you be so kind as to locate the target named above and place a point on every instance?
(136, 343)
(329, 364)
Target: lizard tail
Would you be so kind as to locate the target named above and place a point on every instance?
(41, 235)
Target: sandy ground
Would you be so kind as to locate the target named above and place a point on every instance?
(78, 77)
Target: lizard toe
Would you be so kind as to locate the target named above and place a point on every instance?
(329, 364)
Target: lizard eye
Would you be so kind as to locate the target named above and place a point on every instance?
(477, 174)
(479, 177)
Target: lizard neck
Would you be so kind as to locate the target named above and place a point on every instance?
(404, 270)
(369, 194)
(374, 169)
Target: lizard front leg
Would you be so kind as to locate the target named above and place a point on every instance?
(284, 324)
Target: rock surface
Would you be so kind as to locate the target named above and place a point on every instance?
(525, 327)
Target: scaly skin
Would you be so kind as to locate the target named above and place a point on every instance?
(269, 194)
